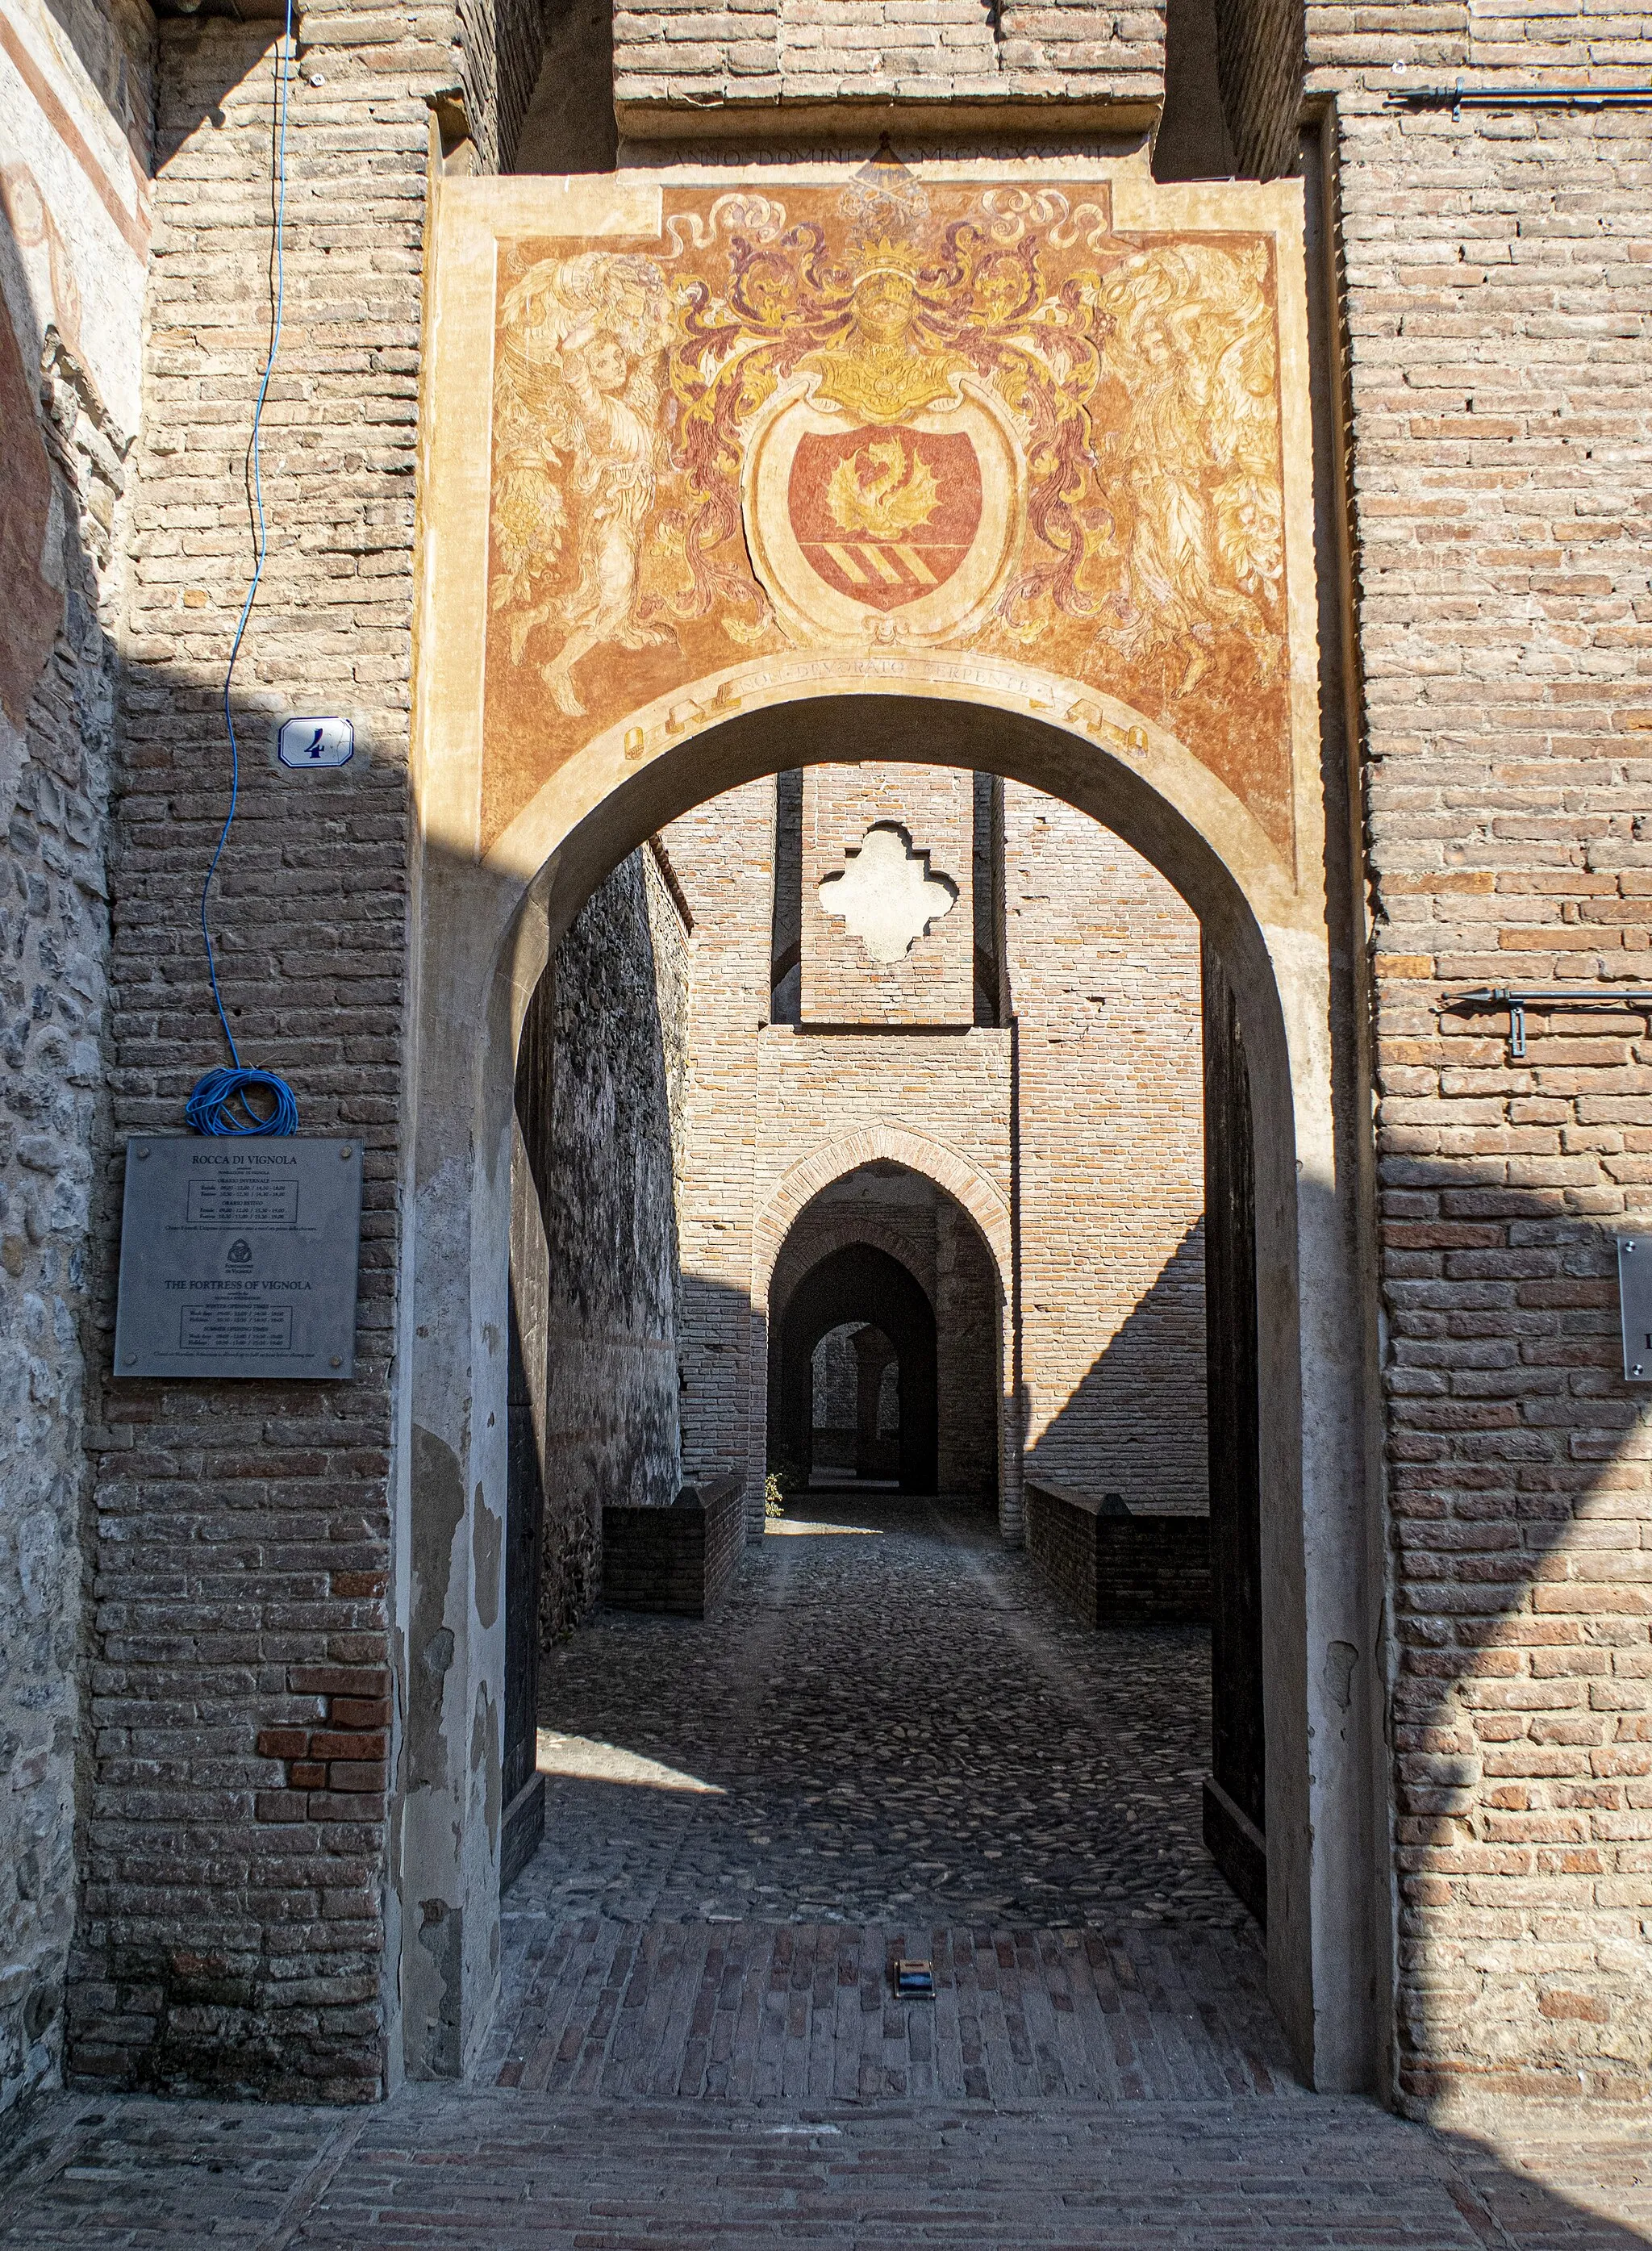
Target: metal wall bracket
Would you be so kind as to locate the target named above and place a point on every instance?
(1490, 95)
(1559, 996)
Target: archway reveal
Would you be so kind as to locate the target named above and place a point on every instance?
(734, 506)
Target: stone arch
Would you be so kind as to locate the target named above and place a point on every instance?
(1264, 859)
(967, 1185)
(487, 926)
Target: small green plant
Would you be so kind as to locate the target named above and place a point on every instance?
(784, 1479)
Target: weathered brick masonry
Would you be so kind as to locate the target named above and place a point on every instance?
(235, 1741)
(1082, 1124)
(755, 52)
(1110, 1566)
(1497, 287)
(1101, 961)
(232, 1916)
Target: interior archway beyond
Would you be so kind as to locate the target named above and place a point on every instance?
(488, 933)
(861, 1283)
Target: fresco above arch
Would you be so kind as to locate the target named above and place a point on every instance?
(891, 414)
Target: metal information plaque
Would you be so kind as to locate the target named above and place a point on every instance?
(1635, 1298)
(238, 1259)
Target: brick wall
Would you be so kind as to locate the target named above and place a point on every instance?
(73, 229)
(1497, 299)
(927, 813)
(1103, 972)
(232, 1931)
(1102, 960)
(500, 45)
(1109, 1566)
(1259, 62)
(723, 854)
(678, 1561)
(669, 52)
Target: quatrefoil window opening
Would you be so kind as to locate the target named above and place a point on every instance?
(887, 897)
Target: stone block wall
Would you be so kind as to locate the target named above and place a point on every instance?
(1102, 960)
(1498, 308)
(77, 95)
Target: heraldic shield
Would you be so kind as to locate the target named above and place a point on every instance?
(888, 530)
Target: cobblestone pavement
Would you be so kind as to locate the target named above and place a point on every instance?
(491, 2170)
(890, 1726)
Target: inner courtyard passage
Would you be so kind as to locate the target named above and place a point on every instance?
(891, 1743)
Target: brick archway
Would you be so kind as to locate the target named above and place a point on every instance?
(844, 1286)
(789, 1269)
(965, 1183)
(978, 1454)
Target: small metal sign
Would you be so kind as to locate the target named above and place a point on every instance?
(238, 1258)
(315, 743)
(1634, 1301)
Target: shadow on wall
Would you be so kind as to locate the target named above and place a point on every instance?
(1135, 1424)
(1521, 1717)
(596, 1274)
(1520, 1709)
(63, 468)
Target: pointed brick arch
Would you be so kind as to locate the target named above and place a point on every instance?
(791, 1265)
(964, 1181)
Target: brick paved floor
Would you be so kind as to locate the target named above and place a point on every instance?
(869, 1751)
(495, 2170)
(754, 2012)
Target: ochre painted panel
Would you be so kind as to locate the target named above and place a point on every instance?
(889, 415)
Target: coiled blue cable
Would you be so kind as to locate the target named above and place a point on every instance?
(217, 1103)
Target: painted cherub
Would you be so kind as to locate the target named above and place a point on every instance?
(580, 374)
(1190, 344)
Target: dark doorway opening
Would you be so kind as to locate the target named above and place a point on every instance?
(855, 1417)
(1235, 1808)
(860, 1287)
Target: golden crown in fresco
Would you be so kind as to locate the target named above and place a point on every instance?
(885, 255)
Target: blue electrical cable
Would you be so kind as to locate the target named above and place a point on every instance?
(218, 1102)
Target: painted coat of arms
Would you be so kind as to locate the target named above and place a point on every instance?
(891, 413)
